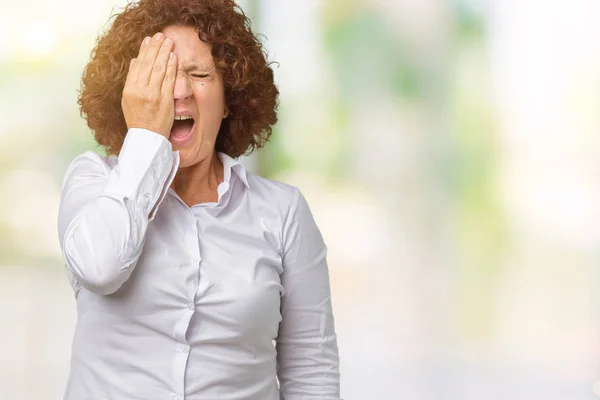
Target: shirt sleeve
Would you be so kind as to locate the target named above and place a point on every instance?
(104, 213)
(307, 351)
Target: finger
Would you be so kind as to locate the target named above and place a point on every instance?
(141, 53)
(135, 62)
(131, 73)
(160, 64)
(143, 46)
(168, 83)
(147, 60)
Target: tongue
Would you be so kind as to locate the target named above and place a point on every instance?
(182, 128)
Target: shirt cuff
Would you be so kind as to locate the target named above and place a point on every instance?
(147, 166)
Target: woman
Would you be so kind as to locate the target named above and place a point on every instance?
(187, 268)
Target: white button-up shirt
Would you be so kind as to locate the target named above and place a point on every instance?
(215, 301)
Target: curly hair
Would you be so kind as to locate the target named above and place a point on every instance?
(250, 93)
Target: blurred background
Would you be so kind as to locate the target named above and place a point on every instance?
(450, 152)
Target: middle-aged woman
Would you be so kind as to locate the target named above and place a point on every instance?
(194, 278)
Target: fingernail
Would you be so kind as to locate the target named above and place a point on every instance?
(167, 42)
(147, 40)
(158, 36)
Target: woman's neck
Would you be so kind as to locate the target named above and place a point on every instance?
(198, 183)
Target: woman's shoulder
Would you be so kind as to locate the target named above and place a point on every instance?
(288, 201)
(273, 190)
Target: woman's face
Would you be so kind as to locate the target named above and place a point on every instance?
(198, 93)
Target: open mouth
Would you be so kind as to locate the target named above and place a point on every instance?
(181, 131)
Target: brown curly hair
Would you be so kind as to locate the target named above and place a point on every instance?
(250, 92)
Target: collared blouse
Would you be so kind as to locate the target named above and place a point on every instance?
(222, 300)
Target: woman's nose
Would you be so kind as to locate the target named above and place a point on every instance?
(182, 88)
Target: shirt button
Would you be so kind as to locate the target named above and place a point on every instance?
(191, 305)
(175, 397)
(184, 348)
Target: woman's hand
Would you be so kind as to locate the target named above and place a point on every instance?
(148, 93)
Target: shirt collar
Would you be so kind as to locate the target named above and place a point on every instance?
(235, 165)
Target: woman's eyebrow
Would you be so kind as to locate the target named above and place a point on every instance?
(196, 67)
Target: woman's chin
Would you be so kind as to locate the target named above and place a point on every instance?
(188, 153)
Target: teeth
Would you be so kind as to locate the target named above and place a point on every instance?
(182, 117)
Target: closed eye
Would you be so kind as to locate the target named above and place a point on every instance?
(200, 75)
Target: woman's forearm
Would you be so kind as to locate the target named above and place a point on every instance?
(104, 212)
